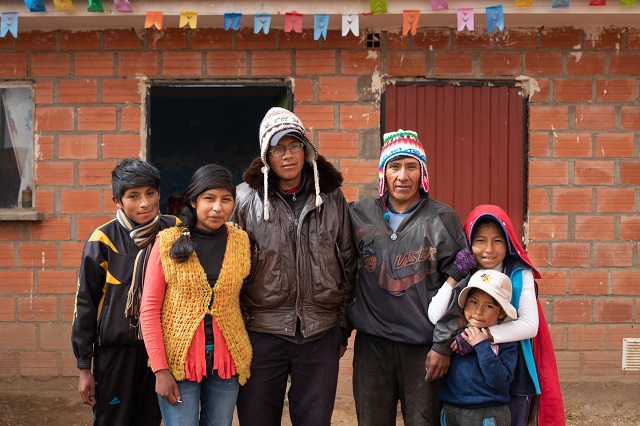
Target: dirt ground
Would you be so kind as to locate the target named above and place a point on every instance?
(55, 402)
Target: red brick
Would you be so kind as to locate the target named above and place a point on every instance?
(80, 201)
(96, 118)
(68, 364)
(624, 63)
(570, 254)
(87, 224)
(594, 172)
(351, 193)
(6, 43)
(37, 254)
(121, 39)
(356, 117)
(247, 40)
(601, 363)
(586, 63)
(617, 333)
(588, 281)
(501, 63)
(407, 64)
(54, 119)
(333, 144)
(571, 199)
(39, 364)
(79, 91)
(7, 255)
(58, 281)
(614, 145)
(67, 307)
(336, 41)
(572, 145)
(79, 40)
(595, 227)
(630, 227)
(615, 90)
(614, 310)
(52, 229)
(359, 62)
(7, 309)
(69, 256)
(121, 91)
(13, 65)
(568, 364)
(212, 39)
(16, 281)
(548, 173)
(131, 64)
(130, 118)
(431, 38)
(453, 63)
(543, 91)
(120, 145)
(472, 40)
(625, 282)
(50, 64)
(274, 62)
(95, 172)
(560, 38)
(315, 62)
(572, 90)
(182, 64)
(538, 200)
(76, 146)
(613, 254)
(108, 207)
(44, 200)
(553, 282)
(558, 337)
(93, 64)
(227, 64)
(548, 117)
(168, 39)
(44, 92)
(547, 227)
(45, 147)
(397, 41)
(538, 144)
(359, 171)
(17, 336)
(55, 336)
(630, 117)
(581, 337)
(55, 173)
(36, 40)
(615, 200)
(316, 117)
(604, 38)
(303, 40)
(594, 117)
(572, 311)
(542, 63)
(303, 90)
(337, 89)
(37, 309)
(520, 39)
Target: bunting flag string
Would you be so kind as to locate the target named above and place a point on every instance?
(350, 23)
(320, 26)
(153, 19)
(293, 22)
(9, 23)
(188, 19)
(64, 6)
(123, 5)
(232, 20)
(261, 22)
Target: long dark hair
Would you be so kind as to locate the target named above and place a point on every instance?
(210, 176)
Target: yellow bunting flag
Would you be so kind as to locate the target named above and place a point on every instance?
(189, 18)
(64, 6)
(523, 3)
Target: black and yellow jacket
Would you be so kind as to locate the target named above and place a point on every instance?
(106, 271)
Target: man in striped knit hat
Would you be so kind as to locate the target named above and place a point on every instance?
(408, 245)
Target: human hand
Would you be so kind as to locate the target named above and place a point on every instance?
(465, 261)
(474, 335)
(167, 387)
(454, 345)
(87, 387)
(436, 366)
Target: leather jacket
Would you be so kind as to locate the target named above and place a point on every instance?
(300, 268)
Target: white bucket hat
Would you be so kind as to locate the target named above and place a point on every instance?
(495, 284)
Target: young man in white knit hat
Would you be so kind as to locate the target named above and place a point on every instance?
(302, 276)
(408, 245)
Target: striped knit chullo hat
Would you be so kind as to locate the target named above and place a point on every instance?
(398, 144)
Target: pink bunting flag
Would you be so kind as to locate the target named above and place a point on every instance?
(123, 5)
(465, 18)
(293, 22)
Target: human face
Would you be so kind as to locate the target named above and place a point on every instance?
(213, 208)
(489, 245)
(481, 310)
(288, 168)
(140, 204)
(402, 179)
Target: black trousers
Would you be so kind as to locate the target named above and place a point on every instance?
(125, 387)
(385, 372)
(313, 368)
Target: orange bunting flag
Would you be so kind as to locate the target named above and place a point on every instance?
(410, 21)
(154, 19)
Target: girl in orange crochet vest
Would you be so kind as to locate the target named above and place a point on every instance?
(190, 312)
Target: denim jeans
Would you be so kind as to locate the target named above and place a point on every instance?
(214, 399)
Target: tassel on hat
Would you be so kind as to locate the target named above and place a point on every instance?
(275, 121)
(402, 143)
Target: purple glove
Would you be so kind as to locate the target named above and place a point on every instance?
(464, 348)
(465, 261)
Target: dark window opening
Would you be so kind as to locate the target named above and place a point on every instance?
(373, 40)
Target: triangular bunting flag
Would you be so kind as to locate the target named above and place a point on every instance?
(378, 6)
(95, 6)
(627, 2)
(559, 4)
(350, 23)
(123, 6)
(410, 21)
(64, 6)
(153, 19)
(439, 5)
(523, 3)
(320, 25)
(261, 22)
(9, 23)
(293, 22)
(495, 19)
(232, 20)
(189, 19)
(465, 18)
(35, 5)
(598, 3)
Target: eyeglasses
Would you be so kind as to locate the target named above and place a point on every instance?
(279, 151)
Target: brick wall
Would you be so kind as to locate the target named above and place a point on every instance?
(584, 169)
